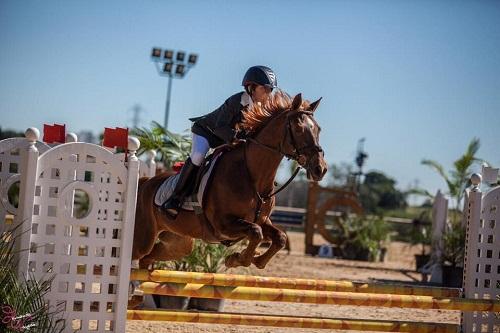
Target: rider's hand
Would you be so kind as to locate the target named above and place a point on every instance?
(237, 142)
(241, 134)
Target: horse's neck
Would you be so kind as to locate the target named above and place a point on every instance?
(262, 162)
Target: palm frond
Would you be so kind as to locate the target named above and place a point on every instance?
(170, 147)
(420, 191)
(440, 170)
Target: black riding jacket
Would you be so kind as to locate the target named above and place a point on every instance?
(218, 126)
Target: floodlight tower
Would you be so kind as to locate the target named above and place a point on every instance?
(165, 61)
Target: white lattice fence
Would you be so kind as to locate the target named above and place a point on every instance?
(482, 262)
(83, 203)
(10, 165)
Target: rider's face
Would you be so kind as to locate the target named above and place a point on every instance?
(261, 94)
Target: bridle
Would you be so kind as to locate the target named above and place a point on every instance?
(297, 154)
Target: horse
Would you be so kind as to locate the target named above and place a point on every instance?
(240, 199)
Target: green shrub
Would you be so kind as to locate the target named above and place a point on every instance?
(365, 237)
(205, 257)
(22, 306)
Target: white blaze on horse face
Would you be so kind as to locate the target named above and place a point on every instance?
(310, 123)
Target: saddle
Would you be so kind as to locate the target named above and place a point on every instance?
(194, 200)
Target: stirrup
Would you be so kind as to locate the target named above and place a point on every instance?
(171, 208)
(171, 213)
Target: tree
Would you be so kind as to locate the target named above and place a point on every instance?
(378, 192)
(342, 175)
(457, 181)
(5, 134)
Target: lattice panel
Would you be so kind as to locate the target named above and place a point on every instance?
(147, 168)
(10, 160)
(78, 224)
(484, 265)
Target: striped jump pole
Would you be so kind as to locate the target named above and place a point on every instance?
(233, 280)
(290, 321)
(319, 297)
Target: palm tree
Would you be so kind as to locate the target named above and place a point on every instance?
(457, 180)
(170, 147)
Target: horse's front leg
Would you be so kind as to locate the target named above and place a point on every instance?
(253, 232)
(278, 241)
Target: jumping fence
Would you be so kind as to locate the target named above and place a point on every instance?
(90, 253)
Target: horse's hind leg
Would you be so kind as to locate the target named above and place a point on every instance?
(278, 241)
(170, 247)
(241, 228)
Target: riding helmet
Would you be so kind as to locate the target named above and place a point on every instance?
(260, 75)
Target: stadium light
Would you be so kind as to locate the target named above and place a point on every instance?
(165, 67)
(192, 59)
(180, 56)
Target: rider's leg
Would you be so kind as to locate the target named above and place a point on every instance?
(199, 149)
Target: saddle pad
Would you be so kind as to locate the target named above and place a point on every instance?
(165, 190)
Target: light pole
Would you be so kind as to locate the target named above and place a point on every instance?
(165, 62)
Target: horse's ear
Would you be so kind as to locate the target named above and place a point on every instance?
(297, 102)
(314, 105)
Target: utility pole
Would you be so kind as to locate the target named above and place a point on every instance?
(136, 109)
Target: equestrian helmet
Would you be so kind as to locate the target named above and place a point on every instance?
(260, 75)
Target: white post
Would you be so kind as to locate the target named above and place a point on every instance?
(127, 234)
(71, 137)
(150, 162)
(28, 173)
(439, 217)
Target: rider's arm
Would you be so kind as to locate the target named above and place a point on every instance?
(227, 115)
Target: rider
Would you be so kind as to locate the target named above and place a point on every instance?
(218, 128)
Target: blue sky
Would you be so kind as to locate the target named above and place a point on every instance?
(418, 79)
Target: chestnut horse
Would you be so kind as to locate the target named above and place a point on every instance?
(238, 202)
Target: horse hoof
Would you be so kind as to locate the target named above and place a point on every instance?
(259, 264)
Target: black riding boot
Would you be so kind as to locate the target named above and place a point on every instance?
(188, 173)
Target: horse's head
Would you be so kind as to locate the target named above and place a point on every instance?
(302, 137)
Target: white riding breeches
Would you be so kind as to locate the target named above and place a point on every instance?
(199, 149)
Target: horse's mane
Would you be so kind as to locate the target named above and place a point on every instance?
(259, 114)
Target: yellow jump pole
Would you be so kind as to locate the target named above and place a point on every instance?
(288, 321)
(287, 283)
(319, 297)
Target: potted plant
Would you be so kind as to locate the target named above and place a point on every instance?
(171, 302)
(205, 258)
(366, 239)
(208, 258)
(452, 258)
